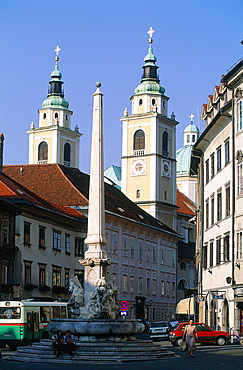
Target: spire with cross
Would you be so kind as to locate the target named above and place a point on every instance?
(191, 117)
(57, 50)
(150, 32)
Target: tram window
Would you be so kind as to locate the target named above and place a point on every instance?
(63, 312)
(10, 313)
(56, 312)
(29, 322)
(47, 313)
(36, 321)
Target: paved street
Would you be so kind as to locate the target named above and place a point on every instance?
(206, 357)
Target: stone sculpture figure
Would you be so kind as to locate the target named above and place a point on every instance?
(103, 301)
(77, 298)
(110, 300)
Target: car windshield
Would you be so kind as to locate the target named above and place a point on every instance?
(159, 324)
(173, 324)
(177, 326)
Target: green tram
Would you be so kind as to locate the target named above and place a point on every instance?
(24, 322)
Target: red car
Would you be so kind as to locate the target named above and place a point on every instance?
(204, 332)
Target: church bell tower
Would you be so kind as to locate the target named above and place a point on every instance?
(54, 141)
(148, 148)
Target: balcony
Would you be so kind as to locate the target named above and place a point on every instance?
(139, 152)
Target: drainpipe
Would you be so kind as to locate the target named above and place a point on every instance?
(233, 188)
(201, 221)
(1, 152)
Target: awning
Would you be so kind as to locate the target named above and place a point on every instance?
(237, 299)
(185, 306)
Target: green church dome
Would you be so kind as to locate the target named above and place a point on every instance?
(150, 58)
(56, 73)
(150, 82)
(55, 102)
(151, 86)
(183, 160)
(191, 128)
(55, 97)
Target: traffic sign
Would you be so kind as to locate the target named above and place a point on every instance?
(124, 306)
(123, 313)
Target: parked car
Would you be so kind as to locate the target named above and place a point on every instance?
(159, 330)
(173, 323)
(204, 332)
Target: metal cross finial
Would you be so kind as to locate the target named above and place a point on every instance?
(191, 116)
(57, 50)
(150, 32)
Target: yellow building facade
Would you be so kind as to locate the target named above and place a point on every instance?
(54, 141)
(148, 149)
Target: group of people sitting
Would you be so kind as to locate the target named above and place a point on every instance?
(63, 342)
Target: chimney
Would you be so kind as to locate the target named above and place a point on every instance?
(1, 152)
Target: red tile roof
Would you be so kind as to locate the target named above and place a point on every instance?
(70, 187)
(185, 205)
(10, 189)
(48, 181)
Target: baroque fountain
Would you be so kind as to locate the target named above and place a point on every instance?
(94, 309)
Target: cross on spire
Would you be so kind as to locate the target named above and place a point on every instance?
(150, 32)
(57, 50)
(191, 117)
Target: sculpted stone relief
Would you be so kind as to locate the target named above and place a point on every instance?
(102, 302)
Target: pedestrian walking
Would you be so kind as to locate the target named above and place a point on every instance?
(190, 336)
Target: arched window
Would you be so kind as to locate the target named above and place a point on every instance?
(139, 142)
(67, 154)
(182, 284)
(138, 193)
(43, 152)
(165, 144)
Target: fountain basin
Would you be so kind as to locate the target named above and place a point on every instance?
(97, 327)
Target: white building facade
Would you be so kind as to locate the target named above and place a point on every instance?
(220, 218)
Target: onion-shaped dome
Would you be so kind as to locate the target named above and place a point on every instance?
(148, 87)
(55, 97)
(56, 73)
(55, 102)
(150, 82)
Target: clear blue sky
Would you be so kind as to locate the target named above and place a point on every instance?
(195, 43)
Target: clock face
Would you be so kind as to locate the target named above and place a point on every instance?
(138, 167)
(166, 168)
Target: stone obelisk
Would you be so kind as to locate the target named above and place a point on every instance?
(96, 260)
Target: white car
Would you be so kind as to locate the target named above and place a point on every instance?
(159, 330)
